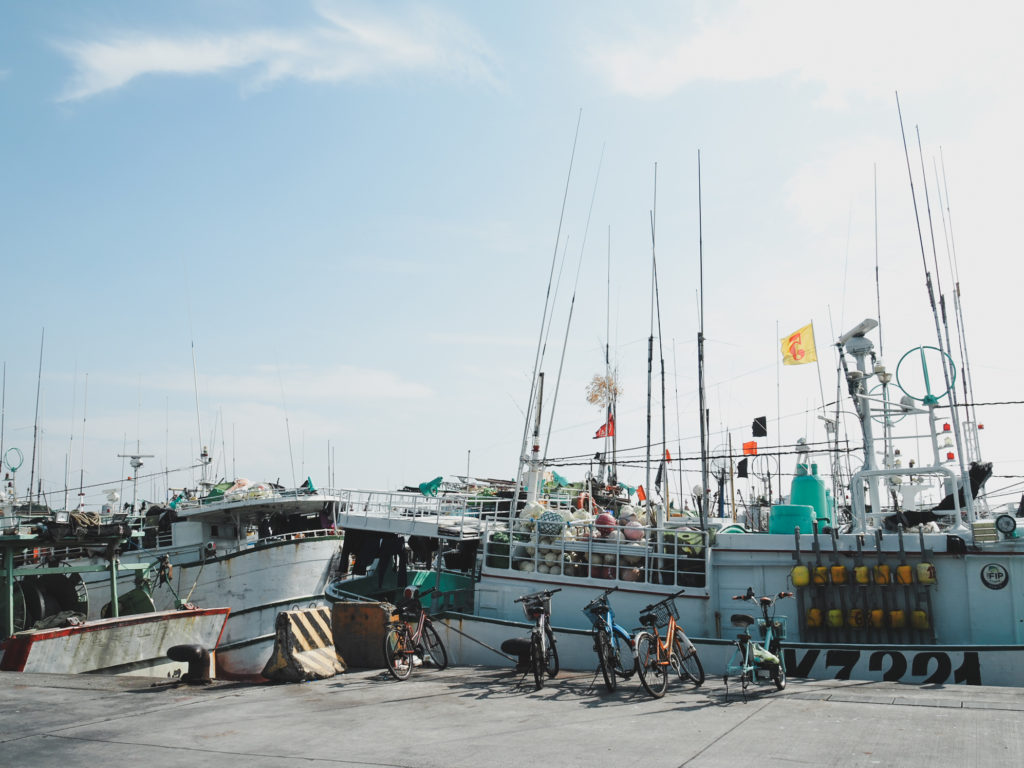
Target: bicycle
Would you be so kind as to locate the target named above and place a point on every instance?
(543, 653)
(654, 657)
(754, 661)
(612, 643)
(402, 645)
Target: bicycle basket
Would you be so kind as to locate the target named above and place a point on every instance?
(537, 606)
(778, 627)
(595, 611)
(662, 611)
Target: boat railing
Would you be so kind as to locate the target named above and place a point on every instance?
(669, 555)
(453, 516)
(857, 503)
(245, 494)
(313, 533)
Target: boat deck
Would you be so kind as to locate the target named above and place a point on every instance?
(452, 718)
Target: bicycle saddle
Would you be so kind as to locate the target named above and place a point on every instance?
(742, 620)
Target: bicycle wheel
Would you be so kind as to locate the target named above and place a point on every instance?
(397, 652)
(537, 659)
(653, 676)
(779, 676)
(434, 647)
(625, 659)
(688, 667)
(551, 660)
(605, 658)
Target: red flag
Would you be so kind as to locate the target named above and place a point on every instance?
(668, 456)
(607, 429)
(750, 449)
(640, 493)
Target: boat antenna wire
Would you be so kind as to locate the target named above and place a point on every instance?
(572, 304)
(702, 395)
(968, 497)
(3, 411)
(968, 381)
(543, 321)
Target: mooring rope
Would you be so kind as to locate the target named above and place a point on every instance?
(480, 642)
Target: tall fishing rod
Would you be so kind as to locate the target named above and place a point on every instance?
(572, 303)
(942, 301)
(610, 416)
(702, 395)
(543, 322)
(945, 320)
(968, 379)
(935, 315)
(650, 355)
(878, 289)
(35, 424)
(71, 435)
(679, 430)
(663, 465)
(81, 470)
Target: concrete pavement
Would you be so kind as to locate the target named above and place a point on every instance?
(481, 717)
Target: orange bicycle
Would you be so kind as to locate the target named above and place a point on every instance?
(654, 657)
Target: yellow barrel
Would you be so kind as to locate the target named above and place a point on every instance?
(838, 573)
(801, 576)
(919, 620)
(855, 618)
(862, 574)
(877, 618)
(897, 619)
(904, 574)
(925, 573)
(881, 574)
(814, 617)
(835, 617)
(820, 575)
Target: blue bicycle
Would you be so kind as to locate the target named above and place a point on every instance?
(612, 643)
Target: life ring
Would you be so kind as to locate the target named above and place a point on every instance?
(582, 499)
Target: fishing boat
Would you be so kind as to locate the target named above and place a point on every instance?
(255, 548)
(907, 590)
(44, 624)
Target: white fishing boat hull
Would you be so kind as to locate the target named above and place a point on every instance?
(476, 641)
(129, 645)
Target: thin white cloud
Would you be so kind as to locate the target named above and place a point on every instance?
(847, 49)
(348, 42)
(351, 384)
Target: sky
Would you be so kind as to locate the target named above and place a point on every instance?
(316, 237)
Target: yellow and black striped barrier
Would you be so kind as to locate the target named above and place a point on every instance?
(304, 647)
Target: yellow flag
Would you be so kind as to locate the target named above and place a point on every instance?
(798, 347)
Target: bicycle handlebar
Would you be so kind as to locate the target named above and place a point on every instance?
(652, 606)
(537, 595)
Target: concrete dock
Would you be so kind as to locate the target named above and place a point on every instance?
(482, 717)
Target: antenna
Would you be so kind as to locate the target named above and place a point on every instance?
(135, 463)
(543, 323)
(702, 395)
